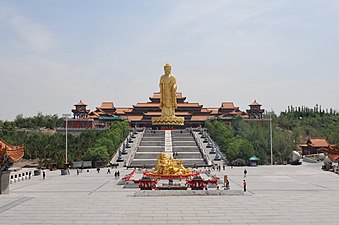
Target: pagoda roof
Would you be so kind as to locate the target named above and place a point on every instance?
(99, 111)
(123, 110)
(93, 115)
(107, 105)
(214, 111)
(205, 110)
(234, 112)
(317, 142)
(255, 103)
(80, 103)
(227, 105)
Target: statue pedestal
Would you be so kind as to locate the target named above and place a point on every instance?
(168, 120)
(4, 182)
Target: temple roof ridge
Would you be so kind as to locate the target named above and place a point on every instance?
(255, 103)
(80, 103)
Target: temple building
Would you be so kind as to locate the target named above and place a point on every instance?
(80, 118)
(255, 111)
(315, 145)
(141, 113)
(80, 110)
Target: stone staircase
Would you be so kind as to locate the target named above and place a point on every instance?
(179, 143)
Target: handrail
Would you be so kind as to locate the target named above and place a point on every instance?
(217, 148)
(202, 149)
(131, 156)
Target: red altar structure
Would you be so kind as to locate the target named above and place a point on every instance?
(198, 183)
(146, 183)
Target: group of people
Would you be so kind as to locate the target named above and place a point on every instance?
(117, 174)
(227, 183)
(244, 181)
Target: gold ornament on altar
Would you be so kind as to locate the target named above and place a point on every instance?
(168, 100)
(169, 166)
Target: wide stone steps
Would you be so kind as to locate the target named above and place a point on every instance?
(151, 149)
(186, 149)
(182, 144)
(180, 155)
(152, 143)
(149, 163)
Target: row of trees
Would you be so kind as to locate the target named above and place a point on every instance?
(302, 124)
(244, 139)
(241, 138)
(50, 147)
(108, 143)
(231, 144)
(35, 122)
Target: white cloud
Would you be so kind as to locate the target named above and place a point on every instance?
(35, 36)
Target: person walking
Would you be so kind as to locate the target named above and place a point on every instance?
(227, 185)
(245, 185)
(108, 170)
(78, 171)
(245, 173)
(43, 174)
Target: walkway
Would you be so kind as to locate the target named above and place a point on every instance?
(276, 195)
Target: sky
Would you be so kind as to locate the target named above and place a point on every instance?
(55, 53)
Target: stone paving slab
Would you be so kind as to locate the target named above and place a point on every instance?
(276, 195)
(150, 193)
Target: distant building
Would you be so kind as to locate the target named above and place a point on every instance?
(80, 118)
(255, 111)
(141, 114)
(315, 145)
(80, 110)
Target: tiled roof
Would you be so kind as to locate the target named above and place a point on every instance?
(214, 111)
(234, 112)
(122, 110)
(255, 103)
(318, 142)
(227, 105)
(80, 103)
(107, 105)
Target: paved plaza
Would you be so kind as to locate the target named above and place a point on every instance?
(276, 195)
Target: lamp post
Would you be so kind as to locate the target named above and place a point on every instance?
(271, 142)
(66, 125)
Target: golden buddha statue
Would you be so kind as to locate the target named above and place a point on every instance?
(169, 166)
(168, 90)
(168, 99)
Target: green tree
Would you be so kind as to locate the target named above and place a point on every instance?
(239, 148)
(96, 153)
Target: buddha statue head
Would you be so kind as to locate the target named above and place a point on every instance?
(167, 69)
